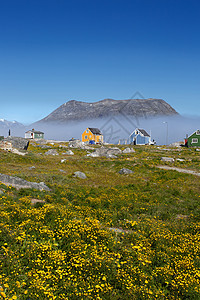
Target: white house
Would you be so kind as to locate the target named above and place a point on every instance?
(34, 134)
(140, 137)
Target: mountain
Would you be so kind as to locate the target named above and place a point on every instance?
(14, 127)
(78, 110)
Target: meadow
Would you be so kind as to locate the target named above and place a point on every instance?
(108, 236)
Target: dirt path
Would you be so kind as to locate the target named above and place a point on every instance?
(179, 170)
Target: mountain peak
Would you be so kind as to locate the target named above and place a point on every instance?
(74, 110)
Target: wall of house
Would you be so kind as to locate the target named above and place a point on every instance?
(89, 136)
(191, 140)
(140, 140)
(38, 135)
(28, 135)
(132, 137)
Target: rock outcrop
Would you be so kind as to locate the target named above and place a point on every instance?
(15, 145)
(125, 171)
(80, 175)
(107, 152)
(20, 183)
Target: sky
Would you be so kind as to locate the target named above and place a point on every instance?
(53, 51)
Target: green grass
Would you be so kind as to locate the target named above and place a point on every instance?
(67, 249)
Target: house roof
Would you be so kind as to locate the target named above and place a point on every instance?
(35, 131)
(197, 132)
(95, 131)
(144, 132)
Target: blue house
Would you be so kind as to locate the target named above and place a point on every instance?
(140, 137)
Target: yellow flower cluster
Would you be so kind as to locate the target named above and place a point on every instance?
(55, 252)
(121, 237)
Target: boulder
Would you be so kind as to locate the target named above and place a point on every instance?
(20, 183)
(128, 150)
(14, 144)
(107, 152)
(125, 171)
(35, 201)
(69, 152)
(51, 152)
(180, 159)
(31, 168)
(110, 156)
(63, 160)
(1, 192)
(167, 159)
(79, 175)
(93, 154)
(79, 144)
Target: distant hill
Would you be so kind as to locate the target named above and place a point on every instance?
(78, 110)
(14, 127)
(9, 124)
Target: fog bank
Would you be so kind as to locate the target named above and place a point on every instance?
(163, 129)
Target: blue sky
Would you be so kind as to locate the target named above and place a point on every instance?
(55, 51)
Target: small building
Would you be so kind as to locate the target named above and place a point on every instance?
(92, 135)
(34, 134)
(140, 137)
(193, 140)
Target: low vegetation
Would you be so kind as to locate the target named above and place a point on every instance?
(108, 236)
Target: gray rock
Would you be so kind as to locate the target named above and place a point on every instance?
(117, 230)
(31, 168)
(69, 152)
(114, 150)
(76, 144)
(128, 150)
(107, 152)
(178, 217)
(79, 175)
(80, 145)
(20, 183)
(180, 159)
(35, 201)
(110, 156)
(1, 192)
(125, 171)
(93, 154)
(51, 152)
(18, 143)
(167, 159)
(63, 160)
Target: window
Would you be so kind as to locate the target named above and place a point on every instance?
(87, 131)
(198, 132)
(86, 137)
(194, 141)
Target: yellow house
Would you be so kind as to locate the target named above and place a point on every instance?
(92, 134)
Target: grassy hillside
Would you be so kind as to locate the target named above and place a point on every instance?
(108, 236)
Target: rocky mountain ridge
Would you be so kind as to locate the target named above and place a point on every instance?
(78, 110)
